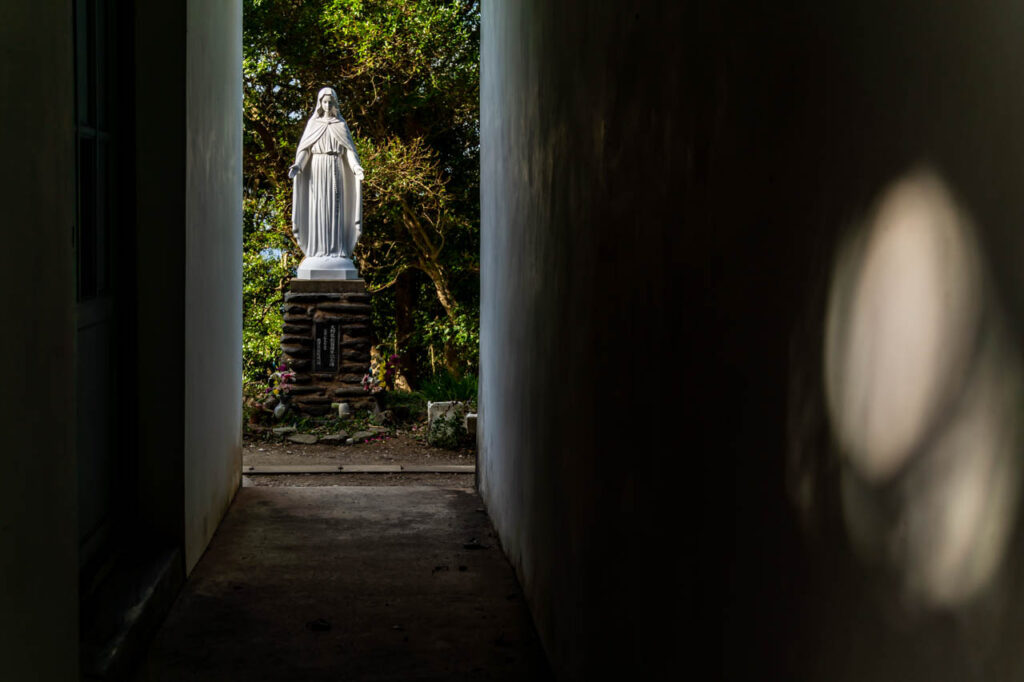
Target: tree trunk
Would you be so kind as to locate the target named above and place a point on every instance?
(444, 295)
(429, 264)
(405, 301)
(440, 281)
(428, 260)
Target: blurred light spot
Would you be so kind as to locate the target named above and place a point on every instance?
(900, 323)
(922, 386)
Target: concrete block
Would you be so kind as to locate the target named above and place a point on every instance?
(445, 408)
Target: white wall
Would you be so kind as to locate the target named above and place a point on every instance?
(38, 505)
(213, 269)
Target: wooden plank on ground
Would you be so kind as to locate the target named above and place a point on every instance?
(291, 469)
(438, 468)
(358, 469)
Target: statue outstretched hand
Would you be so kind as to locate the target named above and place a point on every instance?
(358, 172)
(293, 171)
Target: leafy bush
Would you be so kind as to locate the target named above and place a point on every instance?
(447, 432)
(405, 405)
(446, 386)
(261, 316)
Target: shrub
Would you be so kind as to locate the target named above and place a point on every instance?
(446, 386)
(447, 432)
(405, 405)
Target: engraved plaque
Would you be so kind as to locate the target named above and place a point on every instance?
(326, 336)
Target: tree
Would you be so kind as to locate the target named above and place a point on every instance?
(407, 77)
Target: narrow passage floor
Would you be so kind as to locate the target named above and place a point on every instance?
(350, 583)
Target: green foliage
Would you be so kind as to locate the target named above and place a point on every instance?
(405, 405)
(461, 334)
(407, 77)
(261, 316)
(332, 423)
(445, 385)
(301, 423)
(448, 433)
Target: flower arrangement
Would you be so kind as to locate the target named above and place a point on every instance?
(370, 382)
(382, 375)
(280, 388)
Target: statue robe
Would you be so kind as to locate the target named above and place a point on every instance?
(326, 201)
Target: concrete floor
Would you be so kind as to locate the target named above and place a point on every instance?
(350, 583)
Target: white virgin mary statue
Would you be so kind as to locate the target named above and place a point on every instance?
(326, 206)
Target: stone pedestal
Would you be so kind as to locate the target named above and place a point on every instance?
(326, 267)
(326, 340)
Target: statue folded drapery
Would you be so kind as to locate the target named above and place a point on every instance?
(326, 201)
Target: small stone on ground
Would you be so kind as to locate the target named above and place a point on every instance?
(360, 436)
(334, 438)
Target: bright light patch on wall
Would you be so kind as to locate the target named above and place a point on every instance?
(923, 385)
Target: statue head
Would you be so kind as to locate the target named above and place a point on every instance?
(326, 104)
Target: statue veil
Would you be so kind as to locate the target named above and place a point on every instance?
(318, 125)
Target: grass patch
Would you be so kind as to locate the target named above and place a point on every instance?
(446, 386)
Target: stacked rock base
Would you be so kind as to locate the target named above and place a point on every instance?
(326, 341)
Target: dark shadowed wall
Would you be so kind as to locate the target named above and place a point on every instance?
(38, 528)
(181, 100)
(664, 189)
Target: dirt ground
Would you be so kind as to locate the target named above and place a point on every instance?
(399, 446)
(465, 481)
